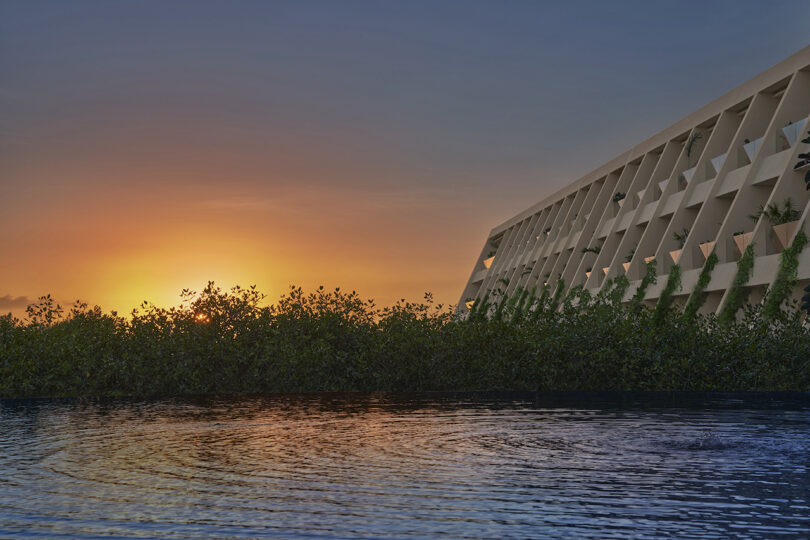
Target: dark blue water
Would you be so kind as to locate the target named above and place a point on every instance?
(371, 466)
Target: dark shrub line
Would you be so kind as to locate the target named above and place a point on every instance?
(228, 342)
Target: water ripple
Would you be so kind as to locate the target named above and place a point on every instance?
(405, 467)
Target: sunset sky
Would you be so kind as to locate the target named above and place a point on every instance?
(150, 146)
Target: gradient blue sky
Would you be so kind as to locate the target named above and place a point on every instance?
(149, 146)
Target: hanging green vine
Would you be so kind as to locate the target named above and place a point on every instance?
(604, 292)
(698, 296)
(501, 305)
(785, 277)
(517, 294)
(542, 302)
(515, 308)
(572, 296)
(666, 298)
(546, 294)
(620, 286)
(558, 292)
(525, 305)
(737, 294)
(650, 278)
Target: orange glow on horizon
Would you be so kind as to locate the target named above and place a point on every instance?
(145, 216)
(154, 248)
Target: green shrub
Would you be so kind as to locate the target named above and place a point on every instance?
(230, 342)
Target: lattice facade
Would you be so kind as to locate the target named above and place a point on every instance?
(676, 197)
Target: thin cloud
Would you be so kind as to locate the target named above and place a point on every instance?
(236, 203)
(14, 302)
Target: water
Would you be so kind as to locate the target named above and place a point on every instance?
(399, 466)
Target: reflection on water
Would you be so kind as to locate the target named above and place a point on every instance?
(565, 465)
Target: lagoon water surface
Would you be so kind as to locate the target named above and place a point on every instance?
(407, 466)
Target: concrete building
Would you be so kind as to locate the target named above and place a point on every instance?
(674, 198)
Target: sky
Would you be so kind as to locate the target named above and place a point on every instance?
(151, 146)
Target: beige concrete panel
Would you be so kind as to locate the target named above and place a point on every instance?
(699, 194)
(707, 142)
(742, 159)
(712, 221)
(506, 263)
(601, 195)
(765, 80)
(500, 254)
(574, 272)
(605, 202)
(612, 238)
(750, 197)
(539, 248)
(521, 248)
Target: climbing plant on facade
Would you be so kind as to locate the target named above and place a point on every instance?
(665, 300)
(619, 288)
(785, 277)
(650, 278)
(737, 293)
(698, 296)
(558, 292)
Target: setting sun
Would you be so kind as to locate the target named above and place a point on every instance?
(404, 269)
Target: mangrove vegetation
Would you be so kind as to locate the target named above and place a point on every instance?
(219, 341)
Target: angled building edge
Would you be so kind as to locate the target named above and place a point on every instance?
(687, 191)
